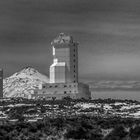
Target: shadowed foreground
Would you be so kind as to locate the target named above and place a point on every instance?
(72, 128)
(23, 119)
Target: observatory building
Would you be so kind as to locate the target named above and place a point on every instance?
(1, 83)
(65, 60)
(64, 72)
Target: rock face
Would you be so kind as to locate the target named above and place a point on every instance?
(22, 84)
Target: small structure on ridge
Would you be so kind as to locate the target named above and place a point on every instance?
(1, 83)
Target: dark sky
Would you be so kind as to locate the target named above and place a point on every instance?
(108, 32)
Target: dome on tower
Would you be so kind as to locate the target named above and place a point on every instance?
(62, 39)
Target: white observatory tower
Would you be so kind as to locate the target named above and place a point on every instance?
(65, 60)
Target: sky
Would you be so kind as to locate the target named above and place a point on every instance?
(108, 32)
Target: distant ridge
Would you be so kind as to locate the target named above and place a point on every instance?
(22, 83)
(114, 85)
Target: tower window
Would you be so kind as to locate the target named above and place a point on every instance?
(74, 66)
(74, 55)
(73, 60)
(65, 92)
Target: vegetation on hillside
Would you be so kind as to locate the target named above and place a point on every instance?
(82, 127)
(64, 123)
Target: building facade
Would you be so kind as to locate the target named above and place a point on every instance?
(65, 60)
(61, 90)
(1, 83)
(63, 72)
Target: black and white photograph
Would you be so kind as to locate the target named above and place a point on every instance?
(69, 69)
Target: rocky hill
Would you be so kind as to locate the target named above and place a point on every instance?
(22, 83)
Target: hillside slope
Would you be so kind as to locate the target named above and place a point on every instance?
(22, 83)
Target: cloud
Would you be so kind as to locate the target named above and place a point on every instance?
(103, 28)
